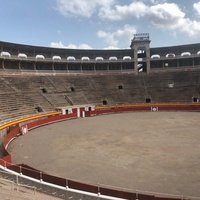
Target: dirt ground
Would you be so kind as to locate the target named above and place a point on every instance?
(158, 152)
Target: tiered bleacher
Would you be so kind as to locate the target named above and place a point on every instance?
(26, 95)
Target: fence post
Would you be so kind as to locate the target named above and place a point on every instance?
(17, 179)
(20, 169)
(99, 192)
(67, 187)
(4, 163)
(41, 177)
(136, 195)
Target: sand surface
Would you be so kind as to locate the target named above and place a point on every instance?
(157, 152)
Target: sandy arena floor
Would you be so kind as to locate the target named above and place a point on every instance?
(157, 152)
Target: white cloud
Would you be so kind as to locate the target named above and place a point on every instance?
(160, 13)
(192, 28)
(170, 16)
(196, 7)
(115, 38)
(120, 12)
(70, 46)
(166, 16)
(82, 8)
(166, 12)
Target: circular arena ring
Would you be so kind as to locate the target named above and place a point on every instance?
(139, 147)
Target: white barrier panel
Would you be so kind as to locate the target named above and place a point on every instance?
(154, 109)
(83, 114)
(78, 113)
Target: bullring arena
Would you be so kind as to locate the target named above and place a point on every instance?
(121, 150)
(100, 124)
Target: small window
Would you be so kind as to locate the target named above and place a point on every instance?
(85, 58)
(22, 55)
(126, 58)
(140, 51)
(56, 58)
(195, 99)
(155, 56)
(120, 87)
(99, 58)
(44, 90)
(148, 100)
(171, 84)
(105, 102)
(72, 89)
(113, 58)
(186, 54)
(71, 58)
(5, 54)
(170, 55)
(40, 57)
(39, 109)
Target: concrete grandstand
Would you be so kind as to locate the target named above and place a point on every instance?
(41, 85)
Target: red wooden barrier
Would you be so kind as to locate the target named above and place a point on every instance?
(167, 198)
(31, 173)
(6, 160)
(15, 168)
(50, 119)
(83, 187)
(117, 193)
(54, 180)
(12, 134)
(146, 197)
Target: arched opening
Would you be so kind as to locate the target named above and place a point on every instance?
(72, 89)
(195, 99)
(127, 58)
(112, 58)
(141, 53)
(84, 58)
(142, 67)
(44, 90)
(99, 59)
(120, 87)
(71, 58)
(39, 109)
(148, 100)
(105, 102)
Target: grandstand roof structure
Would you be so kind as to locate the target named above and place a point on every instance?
(140, 57)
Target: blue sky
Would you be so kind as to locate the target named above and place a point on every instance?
(99, 24)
